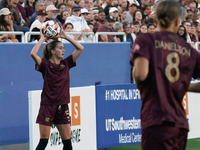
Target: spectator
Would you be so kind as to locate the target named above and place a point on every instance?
(136, 27)
(146, 10)
(90, 17)
(59, 2)
(60, 7)
(39, 5)
(30, 8)
(124, 5)
(69, 28)
(118, 27)
(20, 23)
(144, 3)
(143, 29)
(100, 21)
(64, 14)
(198, 29)
(4, 38)
(127, 30)
(6, 4)
(105, 3)
(138, 16)
(193, 33)
(88, 4)
(114, 13)
(187, 26)
(114, 2)
(107, 27)
(51, 13)
(132, 32)
(131, 10)
(189, 18)
(84, 13)
(182, 32)
(81, 3)
(70, 4)
(6, 24)
(23, 12)
(79, 23)
(123, 14)
(151, 28)
(95, 13)
(193, 6)
(37, 24)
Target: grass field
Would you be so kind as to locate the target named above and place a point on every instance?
(192, 144)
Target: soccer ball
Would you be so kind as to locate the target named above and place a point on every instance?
(50, 29)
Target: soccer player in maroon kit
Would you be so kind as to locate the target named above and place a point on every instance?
(163, 67)
(55, 94)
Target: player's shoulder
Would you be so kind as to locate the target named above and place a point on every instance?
(144, 38)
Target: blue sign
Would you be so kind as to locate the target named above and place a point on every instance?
(118, 115)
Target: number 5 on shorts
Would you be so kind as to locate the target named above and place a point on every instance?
(172, 65)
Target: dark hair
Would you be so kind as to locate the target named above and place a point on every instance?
(184, 22)
(138, 10)
(47, 49)
(184, 36)
(106, 9)
(89, 23)
(166, 12)
(143, 25)
(59, 5)
(27, 3)
(69, 23)
(151, 24)
(3, 23)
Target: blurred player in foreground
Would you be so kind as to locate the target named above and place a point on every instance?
(163, 67)
(55, 94)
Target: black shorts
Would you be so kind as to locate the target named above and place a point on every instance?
(53, 114)
(164, 138)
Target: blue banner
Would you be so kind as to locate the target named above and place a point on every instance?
(118, 115)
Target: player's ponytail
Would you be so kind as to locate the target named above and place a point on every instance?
(47, 49)
(166, 12)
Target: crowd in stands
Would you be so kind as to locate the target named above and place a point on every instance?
(133, 17)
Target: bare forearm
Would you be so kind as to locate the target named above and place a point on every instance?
(37, 46)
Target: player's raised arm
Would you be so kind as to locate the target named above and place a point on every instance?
(77, 45)
(35, 50)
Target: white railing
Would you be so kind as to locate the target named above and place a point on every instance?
(80, 33)
(14, 32)
(109, 33)
(28, 35)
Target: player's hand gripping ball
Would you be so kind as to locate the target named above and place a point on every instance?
(50, 29)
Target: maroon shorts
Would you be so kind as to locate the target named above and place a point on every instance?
(53, 114)
(164, 138)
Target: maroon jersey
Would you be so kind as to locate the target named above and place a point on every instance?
(56, 81)
(172, 63)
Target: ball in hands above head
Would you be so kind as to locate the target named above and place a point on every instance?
(50, 29)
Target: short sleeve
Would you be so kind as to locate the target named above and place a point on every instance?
(69, 61)
(140, 47)
(196, 73)
(42, 66)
